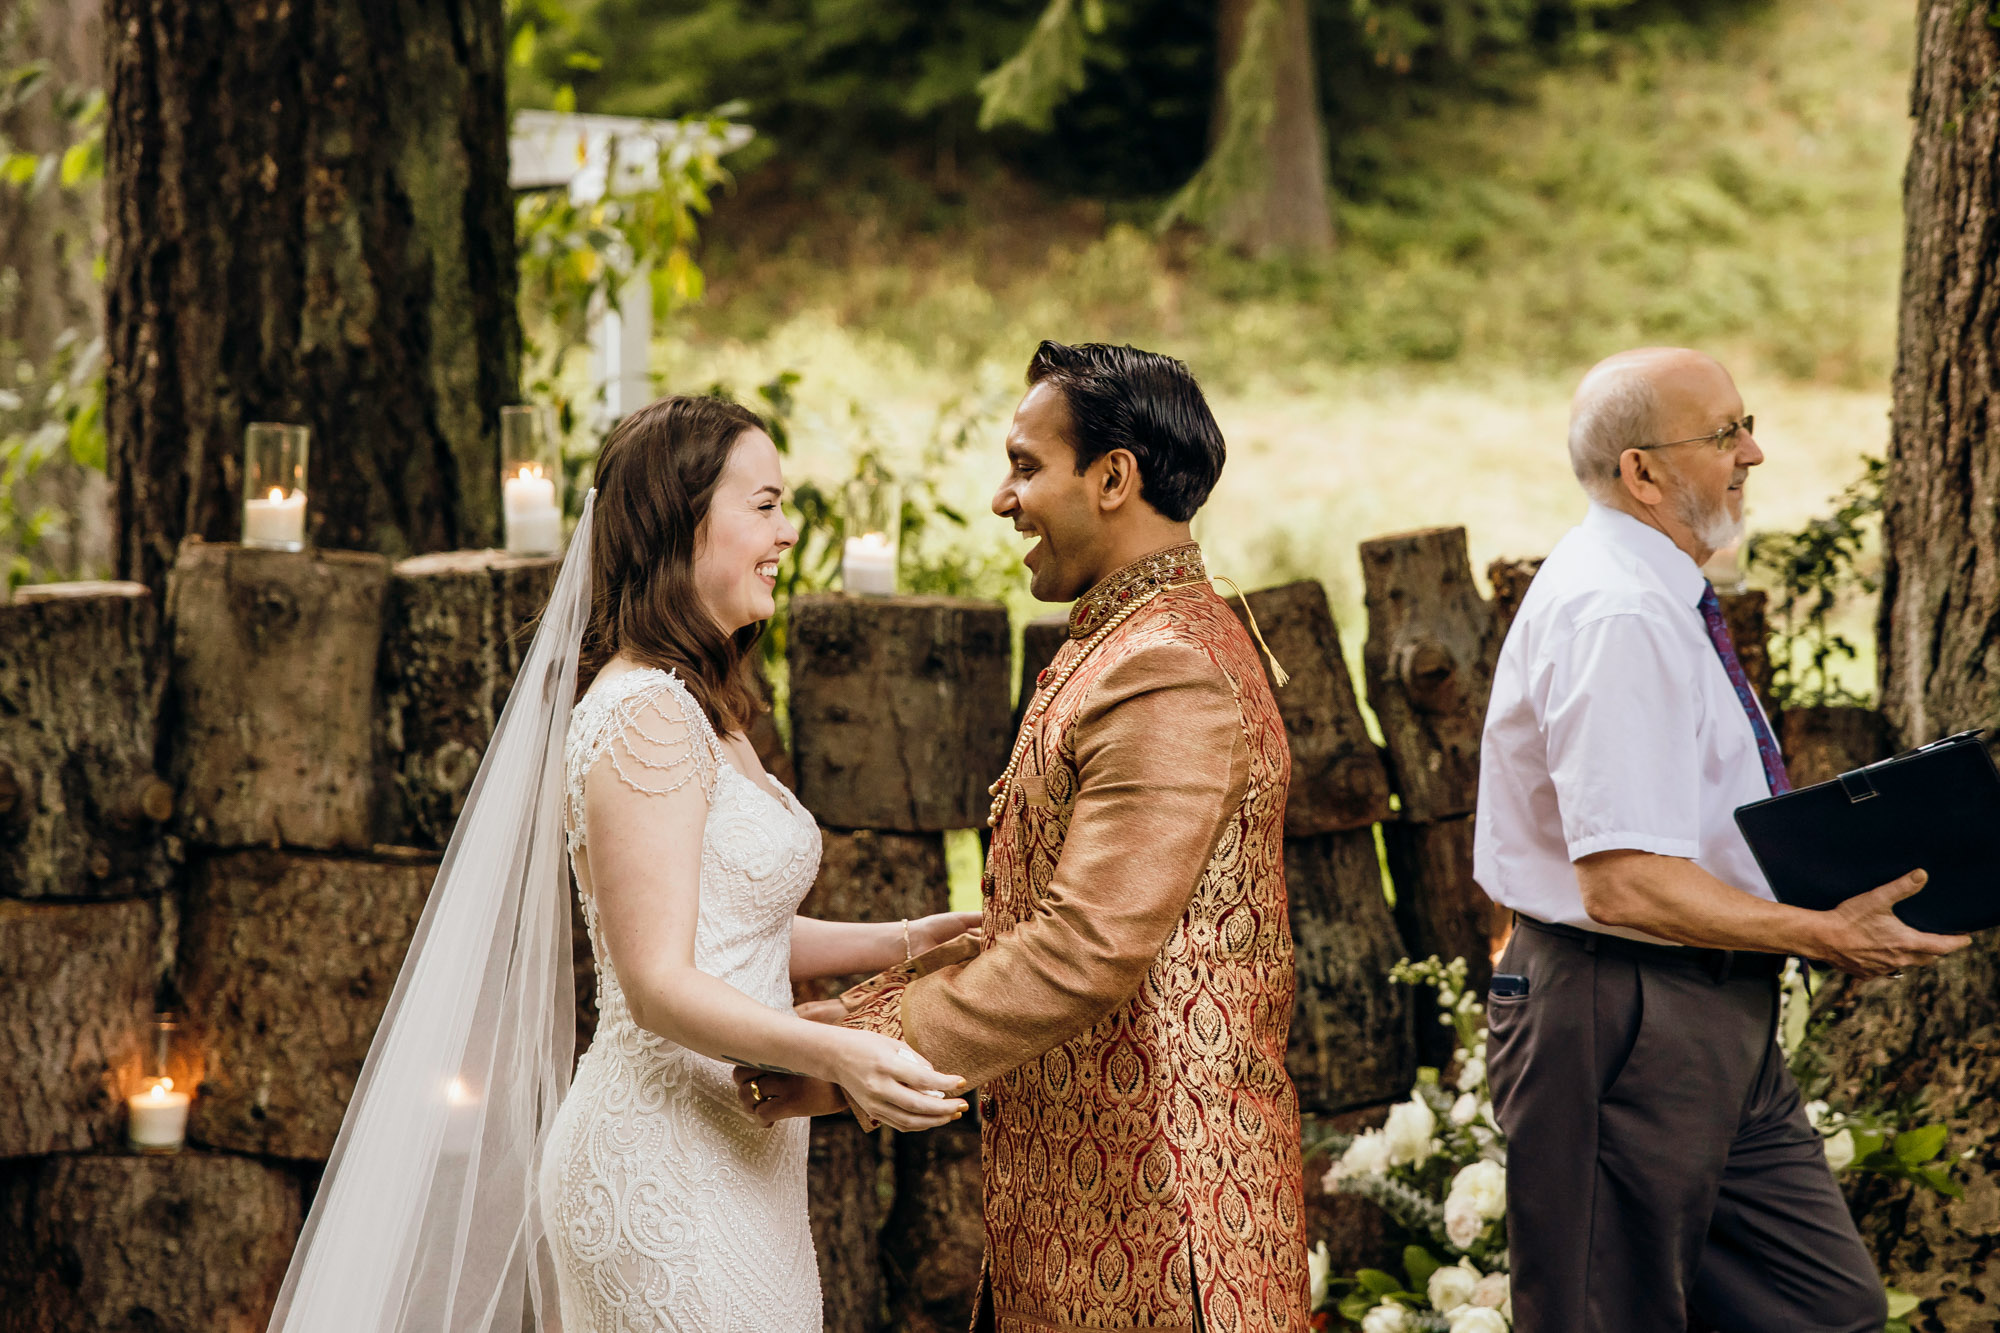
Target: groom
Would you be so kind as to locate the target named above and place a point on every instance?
(1125, 1015)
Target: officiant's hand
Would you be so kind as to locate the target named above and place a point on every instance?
(1868, 939)
(782, 1096)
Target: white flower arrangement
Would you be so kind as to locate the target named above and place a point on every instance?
(1438, 1167)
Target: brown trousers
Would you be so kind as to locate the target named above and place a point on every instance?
(1660, 1163)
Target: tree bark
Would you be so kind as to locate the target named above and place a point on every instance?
(274, 694)
(77, 982)
(936, 1235)
(1820, 744)
(1286, 207)
(1940, 611)
(81, 807)
(187, 1243)
(287, 963)
(309, 221)
(899, 709)
(1338, 779)
(845, 1201)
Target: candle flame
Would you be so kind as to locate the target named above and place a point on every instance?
(277, 494)
(528, 471)
(874, 541)
(158, 1092)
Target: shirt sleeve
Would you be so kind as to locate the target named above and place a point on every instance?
(1621, 719)
(1162, 763)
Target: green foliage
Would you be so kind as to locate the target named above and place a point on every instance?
(1047, 69)
(1815, 573)
(51, 408)
(1237, 164)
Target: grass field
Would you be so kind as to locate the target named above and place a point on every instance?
(1735, 189)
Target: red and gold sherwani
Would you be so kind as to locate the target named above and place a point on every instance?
(1126, 1019)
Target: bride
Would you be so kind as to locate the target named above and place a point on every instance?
(460, 1191)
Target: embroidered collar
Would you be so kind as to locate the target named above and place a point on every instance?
(1170, 568)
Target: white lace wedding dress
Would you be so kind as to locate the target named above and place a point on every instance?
(667, 1208)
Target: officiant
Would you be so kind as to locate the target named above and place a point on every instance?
(1660, 1160)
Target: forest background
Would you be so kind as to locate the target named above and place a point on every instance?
(1513, 189)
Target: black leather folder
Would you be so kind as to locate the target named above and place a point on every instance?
(1936, 807)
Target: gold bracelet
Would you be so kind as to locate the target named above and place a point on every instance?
(908, 952)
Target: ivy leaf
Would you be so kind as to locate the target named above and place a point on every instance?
(1917, 1146)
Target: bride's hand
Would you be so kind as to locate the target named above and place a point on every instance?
(927, 932)
(887, 1081)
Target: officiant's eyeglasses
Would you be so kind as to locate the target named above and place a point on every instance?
(1723, 439)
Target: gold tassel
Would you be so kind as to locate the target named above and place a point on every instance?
(1279, 676)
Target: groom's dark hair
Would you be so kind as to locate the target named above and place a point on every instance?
(1123, 398)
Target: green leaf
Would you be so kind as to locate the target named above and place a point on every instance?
(77, 161)
(1916, 1146)
(522, 53)
(1354, 1306)
(1938, 1180)
(583, 60)
(1900, 1302)
(1378, 1283)
(565, 99)
(1419, 1263)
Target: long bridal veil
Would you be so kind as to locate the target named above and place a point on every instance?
(427, 1219)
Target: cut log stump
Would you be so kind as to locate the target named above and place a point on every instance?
(899, 709)
(1439, 908)
(936, 1235)
(287, 965)
(1750, 631)
(274, 676)
(186, 1243)
(77, 982)
(457, 627)
(82, 812)
(1338, 779)
(867, 876)
(1820, 744)
(1511, 580)
(1430, 651)
(1353, 1041)
(1041, 639)
(844, 1197)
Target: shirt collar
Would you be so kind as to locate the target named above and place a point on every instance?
(1674, 567)
(1167, 568)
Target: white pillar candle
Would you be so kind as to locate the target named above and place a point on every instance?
(276, 521)
(868, 564)
(534, 519)
(158, 1116)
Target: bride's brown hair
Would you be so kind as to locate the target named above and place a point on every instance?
(655, 478)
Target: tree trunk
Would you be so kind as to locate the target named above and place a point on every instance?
(1940, 616)
(309, 221)
(1285, 208)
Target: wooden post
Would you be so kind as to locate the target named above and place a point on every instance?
(457, 627)
(1511, 580)
(869, 876)
(1431, 646)
(1041, 639)
(1821, 743)
(81, 809)
(287, 964)
(899, 709)
(936, 1233)
(188, 1241)
(76, 987)
(844, 1197)
(274, 680)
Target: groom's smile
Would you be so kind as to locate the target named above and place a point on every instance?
(1048, 500)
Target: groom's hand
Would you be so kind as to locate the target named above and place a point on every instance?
(781, 1096)
(821, 1011)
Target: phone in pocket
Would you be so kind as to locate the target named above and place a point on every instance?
(1507, 984)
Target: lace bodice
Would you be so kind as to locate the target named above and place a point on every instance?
(667, 1208)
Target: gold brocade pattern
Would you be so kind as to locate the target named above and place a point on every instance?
(1170, 1131)
(1162, 569)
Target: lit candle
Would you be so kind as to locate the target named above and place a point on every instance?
(868, 564)
(278, 521)
(158, 1116)
(534, 519)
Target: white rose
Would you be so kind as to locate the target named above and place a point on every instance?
(1816, 1113)
(1462, 1222)
(1471, 1074)
(1388, 1317)
(1368, 1155)
(1319, 1269)
(1477, 1319)
(1408, 1133)
(1451, 1287)
(1840, 1150)
(1484, 1186)
(1492, 1291)
(1466, 1109)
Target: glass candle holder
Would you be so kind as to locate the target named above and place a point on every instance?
(868, 559)
(274, 485)
(156, 1114)
(530, 480)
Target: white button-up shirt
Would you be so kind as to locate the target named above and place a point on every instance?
(1612, 724)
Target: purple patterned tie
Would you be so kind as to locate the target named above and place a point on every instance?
(1725, 648)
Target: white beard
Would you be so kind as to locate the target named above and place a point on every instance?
(1712, 527)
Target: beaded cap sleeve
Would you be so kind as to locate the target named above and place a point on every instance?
(654, 733)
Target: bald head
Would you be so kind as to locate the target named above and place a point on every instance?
(1637, 398)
